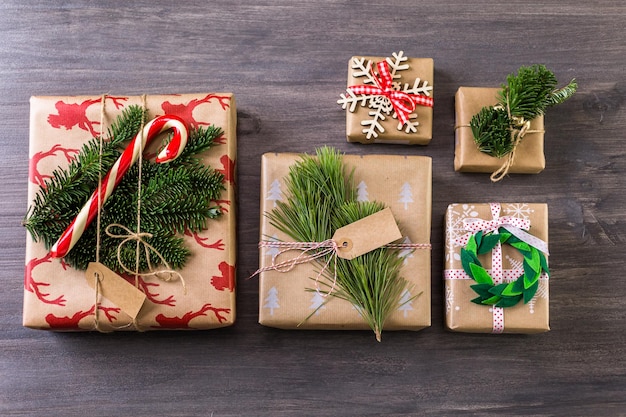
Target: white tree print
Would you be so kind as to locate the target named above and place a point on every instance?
(406, 195)
(361, 192)
(405, 302)
(275, 193)
(406, 253)
(317, 302)
(272, 251)
(271, 301)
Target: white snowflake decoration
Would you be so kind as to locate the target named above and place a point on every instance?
(542, 292)
(519, 210)
(455, 228)
(380, 106)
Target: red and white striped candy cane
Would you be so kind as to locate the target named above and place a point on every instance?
(130, 155)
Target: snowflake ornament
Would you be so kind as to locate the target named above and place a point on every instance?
(384, 95)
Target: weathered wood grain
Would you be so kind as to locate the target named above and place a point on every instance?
(286, 62)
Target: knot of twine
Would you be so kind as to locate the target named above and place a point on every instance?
(310, 251)
(166, 275)
(518, 128)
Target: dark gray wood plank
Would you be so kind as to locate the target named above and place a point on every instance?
(286, 62)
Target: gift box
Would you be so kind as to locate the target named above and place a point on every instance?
(504, 265)
(374, 102)
(529, 156)
(402, 183)
(58, 297)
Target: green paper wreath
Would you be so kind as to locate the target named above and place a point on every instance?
(505, 294)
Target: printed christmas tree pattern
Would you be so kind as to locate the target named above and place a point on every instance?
(406, 195)
(271, 301)
(406, 253)
(405, 302)
(361, 192)
(275, 193)
(317, 302)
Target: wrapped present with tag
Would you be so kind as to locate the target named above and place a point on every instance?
(345, 242)
(501, 130)
(389, 100)
(496, 269)
(131, 218)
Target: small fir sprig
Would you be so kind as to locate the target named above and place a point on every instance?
(322, 199)
(524, 97)
(175, 197)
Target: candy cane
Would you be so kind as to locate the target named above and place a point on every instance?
(130, 155)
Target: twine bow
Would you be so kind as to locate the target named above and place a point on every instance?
(516, 226)
(167, 274)
(403, 103)
(310, 251)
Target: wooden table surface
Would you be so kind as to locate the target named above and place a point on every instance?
(286, 62)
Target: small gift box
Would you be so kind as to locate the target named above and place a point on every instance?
(389, 100)
(288, 299)
(496, 271)
(529, 156)
(58, 297)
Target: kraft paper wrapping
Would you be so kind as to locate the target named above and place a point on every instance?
(57, 297)
(422, 68)
(529, 156)
(464, 316)
(404, 184)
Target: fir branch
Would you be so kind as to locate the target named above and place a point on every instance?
(58, 198)
(525, 96)
(491, 131)
(322, 198)
(175, 197)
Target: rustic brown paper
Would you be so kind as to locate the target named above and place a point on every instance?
(422, 68)
(464, 316)
(529, 156)
(404, 184)
(57, 297)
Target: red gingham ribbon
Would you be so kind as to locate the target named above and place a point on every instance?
(403, 103)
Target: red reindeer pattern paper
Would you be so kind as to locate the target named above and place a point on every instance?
(57, 297)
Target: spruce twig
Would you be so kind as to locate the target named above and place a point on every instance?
(525, 96)
(322, 198)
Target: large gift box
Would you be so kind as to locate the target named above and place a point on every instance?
(402, 183)
(57, 297)
(376, 105)
(504, 263)
(529, 155)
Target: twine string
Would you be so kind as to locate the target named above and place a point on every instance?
(311, 251)
(97, 277)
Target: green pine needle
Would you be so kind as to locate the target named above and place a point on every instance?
(527, 95)
(175, 197)
(322, 198)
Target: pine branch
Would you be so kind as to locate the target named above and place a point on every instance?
(322, 198)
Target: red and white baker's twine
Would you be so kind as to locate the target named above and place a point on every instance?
(516, 227)
(403, 103)
(326, 247)
(130, 155)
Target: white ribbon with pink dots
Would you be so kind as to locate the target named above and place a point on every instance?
(516, 226)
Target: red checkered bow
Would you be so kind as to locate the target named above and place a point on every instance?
(403, 103)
